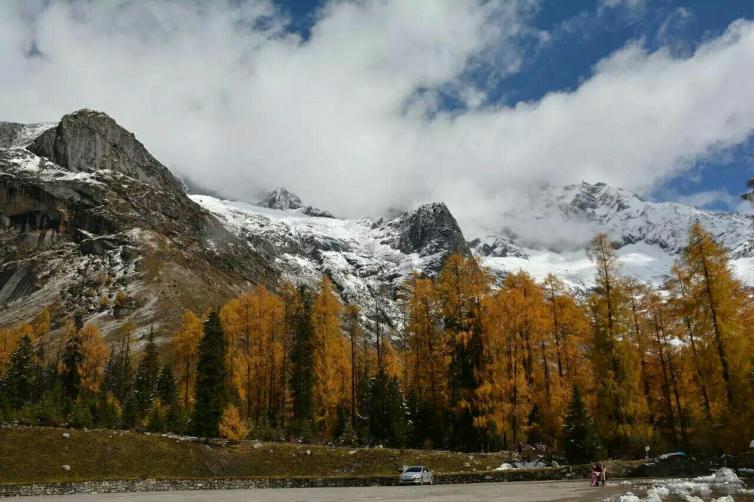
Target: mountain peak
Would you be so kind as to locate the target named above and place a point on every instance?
(88, 140)
(281, 198)
(430, 229)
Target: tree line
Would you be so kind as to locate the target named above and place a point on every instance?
(477, 364)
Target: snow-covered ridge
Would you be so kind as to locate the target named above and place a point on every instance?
(585, 209)
(549, 234)
(364, 255)
(361, 256)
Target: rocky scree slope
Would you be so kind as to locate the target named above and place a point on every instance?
(92, 225)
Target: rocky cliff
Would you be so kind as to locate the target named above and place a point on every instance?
(93, 226)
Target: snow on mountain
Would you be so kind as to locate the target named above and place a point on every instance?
(88, 215)
(14, 135)
(368, 260)
(83, 200)
(551, 232)
(281, 199)
(547, 235)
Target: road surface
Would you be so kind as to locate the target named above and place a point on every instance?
(510, 492)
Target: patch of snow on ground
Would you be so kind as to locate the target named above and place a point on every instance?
(724, 480)
(629, 497)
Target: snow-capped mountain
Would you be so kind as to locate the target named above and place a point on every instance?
(551, 232)
(93, 225)
(366, 256)
(368, 260)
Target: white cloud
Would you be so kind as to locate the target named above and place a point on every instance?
(669, 32)
(349, 118)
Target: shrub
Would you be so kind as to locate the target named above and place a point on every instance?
(81, 414)
(231, 425)
(121, 298)
(108, 412)
(157, 417)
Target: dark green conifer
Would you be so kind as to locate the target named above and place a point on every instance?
(210, 379)
(302, 352)
(581, 442)
(146, 375)
(18, 383)
(387, 411)
(166, 389)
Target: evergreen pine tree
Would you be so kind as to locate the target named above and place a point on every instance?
(156, 420)
(108, 411)
(387, 410)
(84, 360)
(146, 375)
(210, 379)
(71, 360)
(302, 351)
(581, 444)
(51, 408)
(18, 383)
(166, 389)
(81, 413)
(130, 418)
(119, 374)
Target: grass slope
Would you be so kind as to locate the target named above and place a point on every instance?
(37, 454)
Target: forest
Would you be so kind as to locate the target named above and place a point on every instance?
(477, 364)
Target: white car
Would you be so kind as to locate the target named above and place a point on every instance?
(416, 475)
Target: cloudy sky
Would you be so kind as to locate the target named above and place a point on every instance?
(364, 106)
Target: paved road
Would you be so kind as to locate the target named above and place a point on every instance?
(510, 492)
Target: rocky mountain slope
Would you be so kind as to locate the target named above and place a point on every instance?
(95, 227)
(368, 260)
(92, 225)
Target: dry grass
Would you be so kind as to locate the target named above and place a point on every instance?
(38, 454)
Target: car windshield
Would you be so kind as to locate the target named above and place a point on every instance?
(413, 469)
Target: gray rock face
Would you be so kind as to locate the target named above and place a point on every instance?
(8, 133)
(313, 211)
(429, 230)
(281, 199)
(497, 247)
(86, 212)
(90, 141)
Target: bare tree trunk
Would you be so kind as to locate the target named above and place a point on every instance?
(642, 359)
(665, 382)
(676, 393)
(716, 328)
